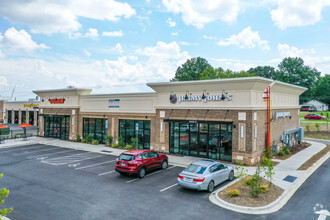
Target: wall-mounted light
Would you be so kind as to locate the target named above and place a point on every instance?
(186, 96)
(171, 95)
(42, 100)
(204, 96)
(223, 96)
(48, 99)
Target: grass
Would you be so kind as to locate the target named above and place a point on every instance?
(314, 158)
(317, 135)
(302, 114)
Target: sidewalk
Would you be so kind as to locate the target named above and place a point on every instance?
(284, 169)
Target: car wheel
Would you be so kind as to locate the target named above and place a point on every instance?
(210, 187)
(231, 176)
(307, 118)
(164, 164)
(142, 172)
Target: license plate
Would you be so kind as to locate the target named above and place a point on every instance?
(123, 164)
(188, 179)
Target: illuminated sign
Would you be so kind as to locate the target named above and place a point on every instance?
(56, 101)
(114, 103)
(31, 105)
(199, 98)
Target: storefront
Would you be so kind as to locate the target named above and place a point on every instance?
(18, 112)
(218, 119)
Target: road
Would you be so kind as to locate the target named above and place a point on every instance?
(48, 182)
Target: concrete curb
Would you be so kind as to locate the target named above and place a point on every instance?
(4, 218)
(274, 206)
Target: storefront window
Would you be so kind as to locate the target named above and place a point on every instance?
(96, 127)
(9, 117)
(16, 117)
(31, 117)
(139, 129)
(205, 139)
(57, 126)
(23, 116)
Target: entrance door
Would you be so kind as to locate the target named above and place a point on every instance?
(193, 149)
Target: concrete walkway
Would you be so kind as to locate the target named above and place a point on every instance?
(285, 169)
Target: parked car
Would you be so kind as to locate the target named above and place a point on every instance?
(308, 108)
(314, 117)
(140, 161)
(205, 175)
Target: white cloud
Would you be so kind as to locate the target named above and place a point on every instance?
(184, 43)
(297, 13)
(171, 22)
(199, 13)
(287, 51)
(118, 48)
(3, 81)
(245, 39)
(20, 40)
(47, 16)
(87, 53)
(113, 34)
(209, 37)
(174, 33)
(92, 33)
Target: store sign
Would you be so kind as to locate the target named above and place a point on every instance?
(114, 103)
(56, 101)
(199, 98)
(31, 105)
(281, 115)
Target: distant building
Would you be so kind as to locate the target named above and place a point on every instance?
(320, 106)
(1, 111)
(18, 112)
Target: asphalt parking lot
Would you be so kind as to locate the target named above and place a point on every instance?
(49, 182)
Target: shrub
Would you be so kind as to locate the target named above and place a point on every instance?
(241, 172)
(281, 153)
(234, 193)
(121, 141)
(78, 138)
(95, 142)
(108, 140)
(266, 161)
(115, 145)
(4, 194)
(84, 140)
(134, 142)
(268, 154)
(128, 147)
(255, 183)
(248, 181)
(317, 126)
(308, 128)
(286, 150)
(269, 172)
(264, 188)
(89, 138)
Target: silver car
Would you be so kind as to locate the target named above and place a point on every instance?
(205, 175)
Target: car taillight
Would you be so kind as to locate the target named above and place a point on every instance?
(199, 180)
(132, 163)
(181, 177)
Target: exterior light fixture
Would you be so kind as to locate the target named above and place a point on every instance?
(42, 100)
(203, 96)
(223, 96)
(48, 99)
(186, 96)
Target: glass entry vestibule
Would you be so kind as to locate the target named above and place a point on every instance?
(57, 126)
(201, 139)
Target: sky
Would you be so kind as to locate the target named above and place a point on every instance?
(114, 46)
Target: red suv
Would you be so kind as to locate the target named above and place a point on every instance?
(314, 116)
(140, 161)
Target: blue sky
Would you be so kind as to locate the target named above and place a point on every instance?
(115, 46)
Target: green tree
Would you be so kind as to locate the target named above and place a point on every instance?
(264, 71)
(192, 69)
(322, 89)
(293, 71)
(4, 194)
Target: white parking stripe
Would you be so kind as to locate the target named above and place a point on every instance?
(30, 152)
(25, 148)
(168, 187)
(50, 153)
(70, 159)
(101, 174)
(150, 174)
(94, 165)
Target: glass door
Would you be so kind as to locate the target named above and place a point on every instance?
(193, 149)
(214, 141)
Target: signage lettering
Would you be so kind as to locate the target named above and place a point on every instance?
(198, 98)
(56, 101)
(114, 103)
(31, 105)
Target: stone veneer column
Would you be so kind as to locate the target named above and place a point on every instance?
(12, 116)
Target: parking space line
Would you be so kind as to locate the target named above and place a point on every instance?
(150, 174)
(101, 174)
(30, 152)
(66, 159)
(50, 153)
(25, 148)
(94, 165)
(162, 190)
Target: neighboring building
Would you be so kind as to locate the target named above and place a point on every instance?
(320, 106)
(1, 111)
(18, 112)
(217, 119)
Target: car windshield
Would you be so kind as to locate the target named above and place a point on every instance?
(126, 157)
(193, 168)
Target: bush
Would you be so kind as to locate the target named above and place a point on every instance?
(286, 150)
(95, 142)
(264, 188)
(78, 138)
(241, 172)
(234, 193)
(248, 181)
(255, 183)
(308, 128)
(134, 142)
(268, 154)
(89, 138)
(84, 140)
(281, 153)
(115, 145)
(121, 141)
(317, 126)
(4, 194)
(108, 140)
(266, 161)
(128, 147)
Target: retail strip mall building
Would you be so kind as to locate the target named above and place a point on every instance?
(218, 119)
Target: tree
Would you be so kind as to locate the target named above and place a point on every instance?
(264, 71)
(322, 90)
(192, 69)
(4, 194)
(293, 71)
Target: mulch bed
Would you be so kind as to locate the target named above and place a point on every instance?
(314, 158)
(294, 150)
(245, 199)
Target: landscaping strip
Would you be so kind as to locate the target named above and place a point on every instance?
(314, 158)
